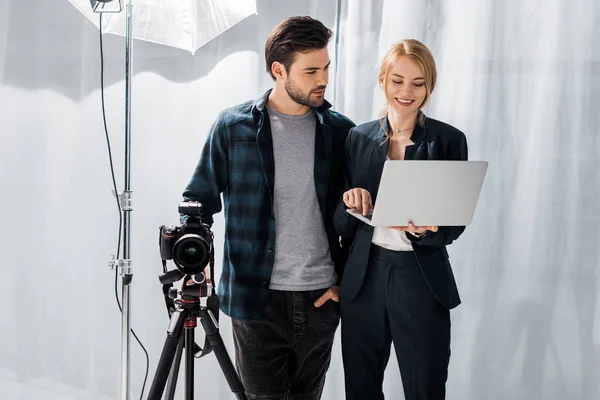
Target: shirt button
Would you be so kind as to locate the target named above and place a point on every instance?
(265, 283)
(270, 250)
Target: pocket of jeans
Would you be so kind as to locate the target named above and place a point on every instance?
(336, 308)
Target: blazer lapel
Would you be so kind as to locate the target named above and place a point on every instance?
(420, 150)
(377, 159)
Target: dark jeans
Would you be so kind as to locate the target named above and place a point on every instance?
(395, 305)
(286, 354)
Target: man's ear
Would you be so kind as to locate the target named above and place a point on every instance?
(278, 70)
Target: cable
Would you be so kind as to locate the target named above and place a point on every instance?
(112, 171)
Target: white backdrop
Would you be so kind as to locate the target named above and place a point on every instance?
(520, 78)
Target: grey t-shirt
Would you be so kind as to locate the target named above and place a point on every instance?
(302, 257)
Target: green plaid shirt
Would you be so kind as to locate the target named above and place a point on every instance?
(237, 160)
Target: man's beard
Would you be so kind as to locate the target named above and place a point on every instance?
(303, 98)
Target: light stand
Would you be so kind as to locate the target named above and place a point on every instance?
(124, 264)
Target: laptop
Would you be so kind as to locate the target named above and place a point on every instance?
(426, 193)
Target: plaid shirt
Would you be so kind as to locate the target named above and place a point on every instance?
(237, 160)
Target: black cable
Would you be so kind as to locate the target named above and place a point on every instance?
(112, 171)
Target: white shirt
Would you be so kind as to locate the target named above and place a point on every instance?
(391, 239)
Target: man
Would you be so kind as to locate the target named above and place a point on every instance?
(278, 162)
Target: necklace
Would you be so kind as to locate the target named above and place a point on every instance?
(405, 136)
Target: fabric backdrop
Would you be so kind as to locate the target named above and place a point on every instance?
(520, 78)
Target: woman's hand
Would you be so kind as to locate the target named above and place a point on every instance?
(358, 199)
(415, 230)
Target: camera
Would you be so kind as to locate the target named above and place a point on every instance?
(189, 245)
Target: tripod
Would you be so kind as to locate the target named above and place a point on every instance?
(184, 319)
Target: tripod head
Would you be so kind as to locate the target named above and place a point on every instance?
(193, 295)
(194, 289)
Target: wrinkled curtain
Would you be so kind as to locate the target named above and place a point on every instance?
(520, 78)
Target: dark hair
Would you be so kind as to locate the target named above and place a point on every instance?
(294, 34)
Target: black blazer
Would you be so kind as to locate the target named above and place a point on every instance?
(365, 155)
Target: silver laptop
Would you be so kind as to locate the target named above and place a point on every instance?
(426, 193)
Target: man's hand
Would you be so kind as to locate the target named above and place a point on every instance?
(358, 199)
(333, 293)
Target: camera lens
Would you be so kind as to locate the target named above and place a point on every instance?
(191, 253)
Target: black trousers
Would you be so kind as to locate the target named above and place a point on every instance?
(395, 305)
(286, 354)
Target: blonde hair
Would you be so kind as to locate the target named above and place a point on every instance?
(420, 55)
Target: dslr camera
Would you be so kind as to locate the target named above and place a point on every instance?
(189, 245)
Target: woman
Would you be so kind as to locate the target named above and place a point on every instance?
(398, 285)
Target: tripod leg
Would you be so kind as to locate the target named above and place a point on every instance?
(216, 342)
(172, 382)
(167, 355)
(189, 326)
